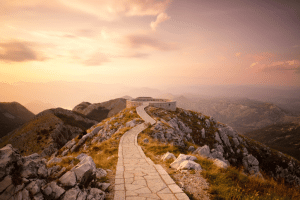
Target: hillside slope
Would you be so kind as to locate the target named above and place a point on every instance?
(244, 115)
(47, 132)
(100, 111)
(13, 115)
(282, 137)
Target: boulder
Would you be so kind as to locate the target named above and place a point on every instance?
(81, 156)
(203, 151)
(217, 137)
(189, 164)
(251, 164)
(180, 159)
(217, 154)
(8, 193)
(100, 173)
(35, 186)
(222, 132)
(71, 194)
(168, 156)
(70, 144)
(68, 179)
(84, 170)
(191, 148)
(53, 191)
(7, 181)
(236, 141)
(96, 193)
(220, 163)
(82, 195)
(8, 156)
(103, 186)
(29, 169)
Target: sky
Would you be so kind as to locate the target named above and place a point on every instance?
(151, 43)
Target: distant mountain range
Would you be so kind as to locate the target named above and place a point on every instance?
(282, 137)
(51, 129)
(242, 114)
(13, 115)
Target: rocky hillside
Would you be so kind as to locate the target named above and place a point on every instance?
(244, 115)
(100, 111)
(12, 116)
(217, 140)
(282, 137)
(47, 132)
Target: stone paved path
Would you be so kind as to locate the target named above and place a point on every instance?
(137, 177)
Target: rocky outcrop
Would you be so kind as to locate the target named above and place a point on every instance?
(30, 178)
(100, 111)
(48, 131)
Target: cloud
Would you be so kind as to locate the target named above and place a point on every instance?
(160, 18)
(144, 41)
(96, 59)
(17, 51)
(111, 9)
(253, 64)
(293, 65)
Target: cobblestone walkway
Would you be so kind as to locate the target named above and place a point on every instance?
(137, 177)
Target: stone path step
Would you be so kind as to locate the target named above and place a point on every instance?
(137, 177)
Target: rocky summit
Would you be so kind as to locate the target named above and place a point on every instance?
(89, 165)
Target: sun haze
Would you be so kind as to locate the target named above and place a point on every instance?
(151, 43)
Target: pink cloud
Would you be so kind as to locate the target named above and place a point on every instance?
(160, 18)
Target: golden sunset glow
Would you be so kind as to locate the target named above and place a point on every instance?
(150, 43)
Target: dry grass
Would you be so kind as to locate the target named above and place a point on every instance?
(228, 183)
(66, 162)
(105, 154)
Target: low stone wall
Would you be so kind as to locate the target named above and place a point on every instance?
(159, 103)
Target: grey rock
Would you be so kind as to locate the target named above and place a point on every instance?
(8, 193)
(5, 183)
(58, 174)
(81, 156)
(220, 163)
(217, 137)
(65, 152)
(184, 128)
(42, 171)
(251, 164)
(207, 123)
(70, 144)
(131, 123)
(146, 140)
(180, 159)
(96, 193)
(103, 186)
(224, 137)
(25, 195)
(168, 156)
(189, 164)
(82, 195)
(56, 190)
(84, 170)
(203, 151)
(35, 186)
(38, 196)
(29, 169)
(191, 148)
(8, 156)
(236, 141)
(216, 154)
(53, 170)
(100, 173)
(203, 133)
(54, 160)
(68, 179)
(71, 194)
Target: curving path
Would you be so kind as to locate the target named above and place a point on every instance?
(137, 177)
